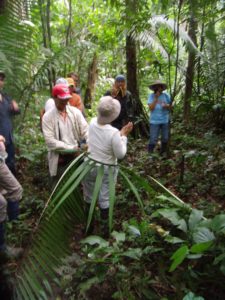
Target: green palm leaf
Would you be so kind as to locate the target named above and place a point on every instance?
(98, 184)
(51, 239)
(132, 188)
(111, 197)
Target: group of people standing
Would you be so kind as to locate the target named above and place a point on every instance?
(67, 134)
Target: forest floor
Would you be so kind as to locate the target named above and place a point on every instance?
(194, 171)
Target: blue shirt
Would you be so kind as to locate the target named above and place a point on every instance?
(6, 112)
(159, 115)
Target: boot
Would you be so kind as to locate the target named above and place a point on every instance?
(151, 148)
(13, 210)
(163, 150)
(91, 226)
(105, 227)
(6, 252)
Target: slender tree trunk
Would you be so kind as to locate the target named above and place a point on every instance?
(69, 24)
(173, 94)
(202, 41)
(44, 36)
(141, 119)
(48, 11)
(190, 68)
(2, 6)
(46, 32)
(141, 126)
(92, 76)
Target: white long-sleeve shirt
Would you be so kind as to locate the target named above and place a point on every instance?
(105, 144)
(59, 136)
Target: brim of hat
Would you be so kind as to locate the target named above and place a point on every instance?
(120, 80)
(112, 117)
(65, 97)
(152, 86)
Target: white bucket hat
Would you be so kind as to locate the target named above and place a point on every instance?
(108, 110)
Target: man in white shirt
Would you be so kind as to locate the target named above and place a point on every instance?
(63, 128)
(106, 144)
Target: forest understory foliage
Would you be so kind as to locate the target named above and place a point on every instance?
(172, 249)
(140, 260)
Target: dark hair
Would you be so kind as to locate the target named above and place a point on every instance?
(2, 75)
(72, 74)
(156, 87)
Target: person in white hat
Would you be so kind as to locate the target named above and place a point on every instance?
(106, 144)
(159, 104)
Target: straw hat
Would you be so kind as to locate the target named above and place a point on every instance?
(158, 82)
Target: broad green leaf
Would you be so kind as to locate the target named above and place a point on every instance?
(85, 286)
(172, 215)
(134, 253)
(194, 218)
(173, 239)
(218, 223)
(191, 296)
(201, 247)
(178, 257)
(202, 235)
(119, 236)
(94, 239)
(134, 230)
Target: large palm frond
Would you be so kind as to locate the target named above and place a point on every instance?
(50, 243)
(16, 37)
(149, 35)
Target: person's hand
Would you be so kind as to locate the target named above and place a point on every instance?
(126, 129)
(2, 139)
(165, 105)
(84, 147)
(15, 106)
(2, 146)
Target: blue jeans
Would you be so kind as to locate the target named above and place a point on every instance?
(155, 130)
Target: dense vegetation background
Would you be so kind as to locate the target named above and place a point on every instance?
(169, 251)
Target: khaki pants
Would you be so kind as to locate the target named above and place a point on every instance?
(12, 187)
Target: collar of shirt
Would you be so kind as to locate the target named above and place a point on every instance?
(63, 114)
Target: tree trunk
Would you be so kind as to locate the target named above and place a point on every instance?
(92, 76)
(202, 42)
(141, 119)
(190, 69)
(46, 32)
(2, 6)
